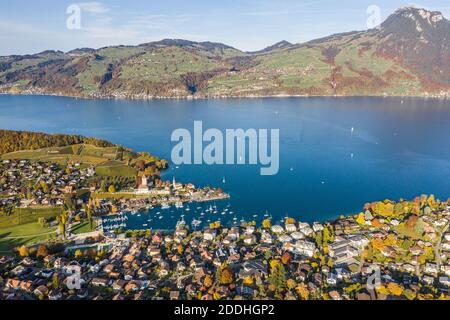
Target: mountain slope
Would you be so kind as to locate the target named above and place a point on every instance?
(408, 54)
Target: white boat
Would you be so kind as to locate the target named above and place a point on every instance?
(145, 225)
(223, 180)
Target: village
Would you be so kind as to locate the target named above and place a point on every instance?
(26, 183)
(389, 251)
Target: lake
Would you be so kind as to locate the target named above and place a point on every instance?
(398, 148)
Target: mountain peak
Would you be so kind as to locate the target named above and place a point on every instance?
(419, 14)
(279, 45)
(411, 22)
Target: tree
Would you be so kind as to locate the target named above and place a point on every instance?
(291, 284)
(248, 281)
(78, 254)
(225, 276)
(327, 234)
(395, 289)
(302, 291)
(319, 239)
(330, 263)
(361, 219)
(290, 221)
(55, 281)
(112, 189)
(208, 281)
(42, 251)
(140, 164)
(277, 277)
(286, 258)
(62, 228)
(89, 217)
(266, 224)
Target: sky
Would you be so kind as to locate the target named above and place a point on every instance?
(28, 26)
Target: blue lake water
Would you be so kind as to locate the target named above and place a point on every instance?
(398, 148)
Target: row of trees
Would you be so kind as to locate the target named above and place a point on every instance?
(11, 141)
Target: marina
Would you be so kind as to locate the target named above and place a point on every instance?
(197, 215)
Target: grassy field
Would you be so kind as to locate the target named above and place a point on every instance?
(62, 155)
(22, 216)
(104, 159)
(117, 195)
(115, 169)
(167, 63)
(25, 234)
(83, 227)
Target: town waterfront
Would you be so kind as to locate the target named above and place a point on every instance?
(335, 153)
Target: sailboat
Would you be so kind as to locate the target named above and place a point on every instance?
(223, 180)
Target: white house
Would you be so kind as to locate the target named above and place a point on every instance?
(249, 239)
(317, 227)
(209, 235)
(266, 237)
(291, 228)
(277, 229)
(250, 230)
(306, 248)
(297, 235)
(285, 238)
(431, 268)
(445, 281)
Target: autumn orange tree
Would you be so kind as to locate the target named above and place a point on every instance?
(225, 275)
(42, 251)
(286, 258)
(395, 289)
